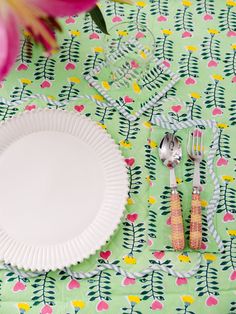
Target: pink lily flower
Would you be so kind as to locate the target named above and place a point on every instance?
(38, 18)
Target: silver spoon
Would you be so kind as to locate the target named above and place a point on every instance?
(171, 154)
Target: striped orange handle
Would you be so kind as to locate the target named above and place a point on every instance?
(177, 228)
(196, 222)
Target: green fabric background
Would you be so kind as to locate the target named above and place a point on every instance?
(201, 46)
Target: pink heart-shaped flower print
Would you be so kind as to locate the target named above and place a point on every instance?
(70, 66)
(73, 284)
(94, 36)
(46, 84)
(105, 254)
(30, 107)
(129, 281)
(139, 35)
(207, 17)
(212, 63)
(231, 33)
(166, 63)
(116, 19)
(47, 309)
(181, 281)
(234, 79)
(130, 161)
(128, 100)
(233, 275)
(168, 221)
(197, 133)
(176, 108)
(22, 67)
(134, 64)
(19, 286)
(159, 254)
(222, 162)
(102, 306)
(217, 111)
(156, 305)
(228, 217)
(132, 217)
(162, 18)
(70, 20)
(203, 246)
(149, 242)
(186, 34)
(190, 81)
(211, 301)
(79, 108)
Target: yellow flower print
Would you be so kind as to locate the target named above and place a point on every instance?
(26, 33)
(106, 85)
(233, 46)
(98, 97)
(98, 49)
(231, 233)
(52, 97)
(141, 4)
(217, 77)
(102, 125)
(204, 203)
(188, 299)
(125, 144)
(75, 33)
(74, 79)
(136, 88)
(23, 306)
(178, 180)
(25, 81)
(129, 259)
(143, 54)
(184, 258)
(191, 48)
(210, 257)
(186, 3)
(151, 200)
(147, 124)
(195, 95)
(78, 304)
(152, 144)
(134, 299)
(130, 201)
(228, 178)
(167, 32)
(213, 31)
(222, 125)
(122, 33)
(231, 3)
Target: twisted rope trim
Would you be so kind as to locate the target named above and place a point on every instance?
(171, 124)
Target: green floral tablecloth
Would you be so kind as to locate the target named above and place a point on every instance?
(197, 40)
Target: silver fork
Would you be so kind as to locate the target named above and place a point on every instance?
(195, 151)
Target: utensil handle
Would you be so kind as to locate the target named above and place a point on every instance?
(196, 221)
(177, 227)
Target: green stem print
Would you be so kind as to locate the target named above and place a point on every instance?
(44, 290)
(207, 8)
(159, 8)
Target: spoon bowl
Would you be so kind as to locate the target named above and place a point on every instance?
(170, 151)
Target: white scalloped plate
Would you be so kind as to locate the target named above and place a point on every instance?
(63, 189)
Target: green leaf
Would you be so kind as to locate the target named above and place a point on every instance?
(98, 19)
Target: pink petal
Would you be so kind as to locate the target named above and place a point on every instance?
(63, 7)
(9, 39)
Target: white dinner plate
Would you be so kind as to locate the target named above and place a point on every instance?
(63, 189)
